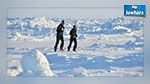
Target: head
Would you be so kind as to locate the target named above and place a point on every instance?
(74, 26)
(63, 22)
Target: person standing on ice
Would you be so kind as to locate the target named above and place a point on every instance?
(59, 36)
(73, 38)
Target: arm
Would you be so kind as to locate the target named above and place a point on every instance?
(70, 33)
(60, 28)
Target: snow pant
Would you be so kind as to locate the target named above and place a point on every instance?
(59, 37)
(75, 44)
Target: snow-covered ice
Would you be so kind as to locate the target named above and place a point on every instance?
(35, 63)
(106, 47)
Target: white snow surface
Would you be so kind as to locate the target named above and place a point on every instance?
(106, 47)
(43, 22)
(34, 63)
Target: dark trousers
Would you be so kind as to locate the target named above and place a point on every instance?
(75, 44)
(57, 42)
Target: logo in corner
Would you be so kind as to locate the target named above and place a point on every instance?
(134, 7)
(135, 10)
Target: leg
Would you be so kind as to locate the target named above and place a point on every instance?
(75, 44)
(70, 44)
(62, 43)
(56, 44)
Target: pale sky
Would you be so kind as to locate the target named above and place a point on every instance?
(66, 12)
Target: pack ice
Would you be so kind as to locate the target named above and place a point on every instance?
(34, 63)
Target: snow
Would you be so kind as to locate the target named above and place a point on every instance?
(80, 71)
(82, 36)
(14, 71)
(121, 27)
(34, 63)
(43, 22)
(121, 72)
(106, 47)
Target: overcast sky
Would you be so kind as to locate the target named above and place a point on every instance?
(68, 8)
(66, 12)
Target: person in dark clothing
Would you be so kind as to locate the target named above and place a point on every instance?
(59, 36)
(73, 38)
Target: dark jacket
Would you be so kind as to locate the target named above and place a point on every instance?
(73, 33)
(60, 29)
